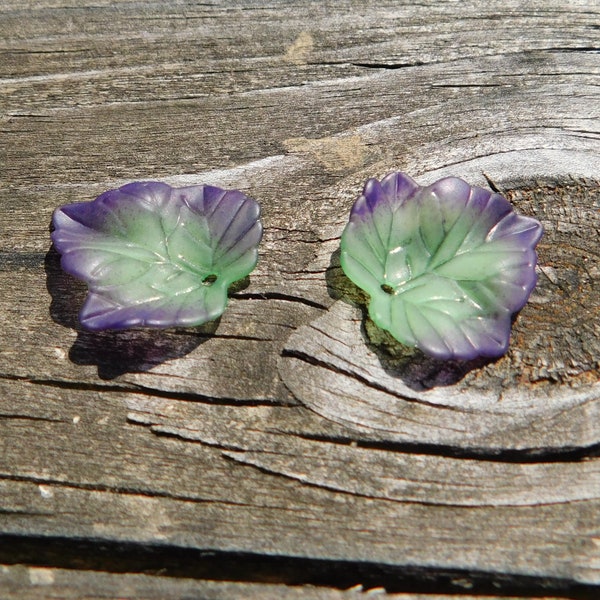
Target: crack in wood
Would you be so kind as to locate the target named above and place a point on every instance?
(188, 435)
(515, 456)
(388, 66)
(165, 425)
(24, 417)
(148, 391)
(69, 385)
(24, 512)
(491, 183)
(253, 459)
(568, 49)
(312, 360)
(206, 563)
(278, 296)
(121, 490)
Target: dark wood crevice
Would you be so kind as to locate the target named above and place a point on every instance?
(209, 564)
(520, 456)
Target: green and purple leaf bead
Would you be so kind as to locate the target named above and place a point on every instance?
(157, 256)
(445, 266)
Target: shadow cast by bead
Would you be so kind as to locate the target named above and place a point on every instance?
(115, 353)
(417, 370)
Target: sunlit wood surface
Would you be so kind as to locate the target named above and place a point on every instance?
(290, 450)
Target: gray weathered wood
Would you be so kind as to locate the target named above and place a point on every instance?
(292, 428)
(23, 583)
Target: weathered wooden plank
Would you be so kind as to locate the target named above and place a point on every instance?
(418, 478)
(130, 488)
(341, 32)
(23, 583)
(541, 541)
(238, 357)
(399, 462)
(37, 583)
(193, 135)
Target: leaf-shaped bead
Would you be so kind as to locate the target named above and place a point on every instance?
(157, 256)
(445, 265)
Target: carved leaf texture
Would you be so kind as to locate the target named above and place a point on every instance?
(445, 266)
(157, 256)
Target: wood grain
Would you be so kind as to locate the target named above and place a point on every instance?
(23, 583)
(291, 442)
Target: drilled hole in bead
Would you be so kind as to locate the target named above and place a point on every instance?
(209, 279)
(388, 289)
